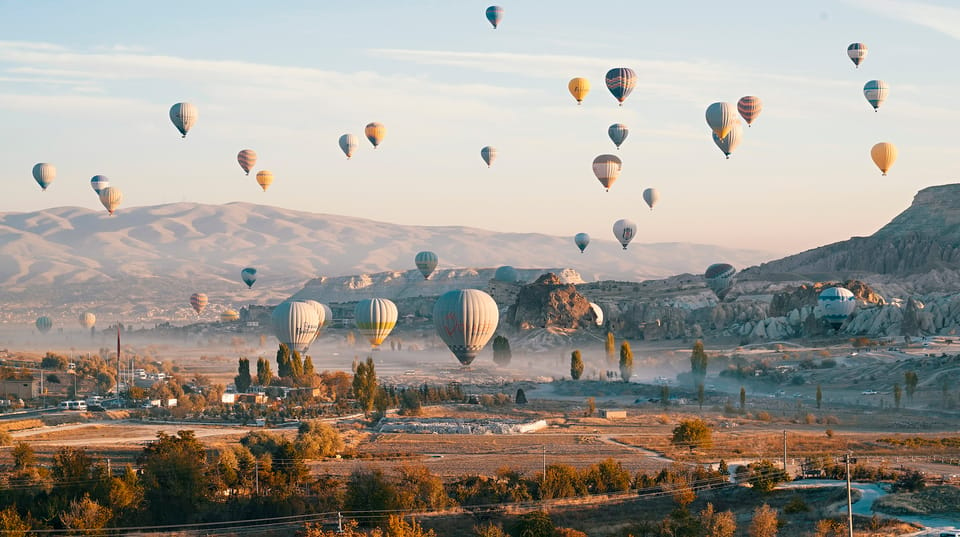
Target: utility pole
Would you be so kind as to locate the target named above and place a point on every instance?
(784, 451)
(847, 460)
(544, 462)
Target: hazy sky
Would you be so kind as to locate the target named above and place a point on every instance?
(87, 86)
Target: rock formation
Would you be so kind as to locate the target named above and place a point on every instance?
(550, 303)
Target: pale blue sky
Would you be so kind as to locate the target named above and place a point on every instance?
(87, 86)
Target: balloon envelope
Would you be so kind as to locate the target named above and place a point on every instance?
(507, 274)
(884, 154)
(44, 324)
(651, 196)
(465, 320)
(249, 276)
(607, 168)
(721, 118)
(857, 52)
(247, 159)
(579, 87)
(621, 81)
(295, 324)
(598, 313)
(229, 316)
(835, 304)
(719, 278)
(375, 132)
(581, 240)
(183, 116)
(731, 141)
(375, 318)
(876, 92)
(44, 174)
(264, 179)
(618, 133)
(624, 230)
(488, 154)
(321, 314)
(348, 144)
(111, 197)
(87, 319)
(426, 262)
(749, 108)
(99, 182)
(495, 15)
(198, 301)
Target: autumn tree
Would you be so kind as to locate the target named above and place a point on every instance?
(626, 361)
(370, 490)
(420, 490)
(534, 524)
(242, 381)
(501, 351)
(715, 524)
(264, 374)
(576, 365)
(365, 384)
(12, 524)
(317, 439)
(283, 361)
(693, 434)
(764, 522)
(610, 347)
(85, 514)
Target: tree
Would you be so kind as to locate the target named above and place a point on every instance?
(264, 374)
(365, 384)
(743, 399)
(665, 395)
(501, 351)
(296, 365)
(610, 346)
(607, 475)
(316, 439)
(717, 524)
(521, 398)
(698, 363)
(54, 361)
(897, 394)
(308, 370)
(910, 380)
(626, 361)
(694, 434)
(764, 522)
(489, 529)
(175, 483)
(85, 514)
(243, 381)
(701, 395)
(369, 490)
(283, 361)
(764, 476)
(11, 524)
(561, 481)
(534, 524)
(819, 396)
(576, 365)
(397, 526)
(420, 490)
(591, 407)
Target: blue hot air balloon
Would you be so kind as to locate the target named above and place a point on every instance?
(248, 275)
(835, 304)
(876, 92)
(618, 133)
(507, 274)
(495, 15)
(719, 278)
(581, 240)
(99, 182)
(426, 262)
(620, 82)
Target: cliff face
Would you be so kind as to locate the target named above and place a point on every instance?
(924, 237)
(550, 303)
(806, 296)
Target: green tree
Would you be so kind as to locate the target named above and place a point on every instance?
(521, 398)
(910, 380)
(534, 524)
(819, 396)
(54, 361)
(743, 399)
(264, 374)
(701, 395)
(369, 490)
(610, 346)
(897, 394)
(316, 439)
(698, 363)
(764, 476)
(501, 351)
(365, 384)
(243, 381)
(576, 365)
(626, 361)
(283, 361)
(489, 529)
(693, 433)
(607, 475)
(308, 370)
(296, 365)
(176, 486)
(664, 395)
(764, 522)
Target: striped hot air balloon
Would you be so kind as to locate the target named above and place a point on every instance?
(624, 230)
(295, 324)
(719, 278)
(111, 197)
(607, 168)
(876, 92)
(494, 15)
(621, 81)
(264, 179)
(884, 154)
(99, 182)
(721, 117)
(582, 240)
(857, 52)
(198, 301)
(749, 108)
(729, 143)
(465, 320)
(579, 87)
(184, 116)
(44, 174)
(618, 133)
(348, 144)
(321, 314)
(375, 132)
(488, 154)
(87, 320)
(426, 262)
(375, 318)
(229, 316)
(44, 324)
(835, 304)
(247, 159)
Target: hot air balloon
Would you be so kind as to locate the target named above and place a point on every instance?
(729, 144)
(749, 108)
(835, 304)
(265, 179)
(651, 196)
(426, 262)
(624, 230)
(375, 318)
(321, 314)
(44, 324)
(506, 274)
(719, 278)
(884, 155)
(198, 301)
(295, 324)
(87, 320)
(375, 132)
(607, 169)
(579, 87)
(348, 144)
(44, 174)
(465, 321)
(111, 197)
(488, 154)
(857, 52)
(249, 276)
(183, 116)
(99, 182)
(229, 316)
(618, 133)
(876, 92)
(495, 15)
(620, 82)
(581, 240)
(721, 118)
(327, 316)
(597, 313)
(247, 159)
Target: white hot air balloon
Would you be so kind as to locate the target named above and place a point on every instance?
(465, 320)
(720, 117)
(321, 313)
(729, 143)
(349, 144)
(44, 173)
(327, 316)
(184, 116)
(624, 230)
(295, 324)
(651, 196)
(597, 312)
(111, 197)
(835, 304)
(375, 318)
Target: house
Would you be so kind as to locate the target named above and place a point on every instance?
(26, 387)
(613, 414)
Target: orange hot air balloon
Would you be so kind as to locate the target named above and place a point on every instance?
(375, 132)
(265, 179)
(884, 155)
(579, 87)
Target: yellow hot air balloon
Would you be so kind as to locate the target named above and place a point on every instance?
(229, 316)
(111, 197)
(375, 132)
(884, 155)
(579, 87)
(265, 179)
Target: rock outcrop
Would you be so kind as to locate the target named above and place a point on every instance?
(550, 303)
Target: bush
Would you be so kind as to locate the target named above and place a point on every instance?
(763, 415)
(828, 363)
(796, 505)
